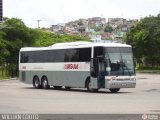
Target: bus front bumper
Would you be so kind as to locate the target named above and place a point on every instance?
(127, 82)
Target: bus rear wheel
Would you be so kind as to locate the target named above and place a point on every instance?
(45, 83)
(114, 90)
(36, 83)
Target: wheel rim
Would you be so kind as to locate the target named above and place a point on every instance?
(45, 83)
(36, 83)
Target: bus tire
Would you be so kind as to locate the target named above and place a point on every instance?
(114, 90)
(45, 83)
(36, 82)
(88, 87)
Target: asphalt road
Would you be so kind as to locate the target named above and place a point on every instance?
(17, 97)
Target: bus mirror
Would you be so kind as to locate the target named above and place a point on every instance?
(94, 67)
(108, 69)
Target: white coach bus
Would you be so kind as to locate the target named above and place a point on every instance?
(78, 64)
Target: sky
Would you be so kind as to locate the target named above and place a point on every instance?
(52, 12)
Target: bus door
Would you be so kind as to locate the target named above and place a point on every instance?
(101, 72)
(98, 71)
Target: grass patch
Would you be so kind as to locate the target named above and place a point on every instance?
(4, 78)
(148, 70)
(3, 75)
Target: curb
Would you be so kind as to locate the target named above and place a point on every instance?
(3, 80)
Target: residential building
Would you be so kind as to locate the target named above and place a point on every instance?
(115, 22)
(57, 28)
(96, 21)
(94, 28)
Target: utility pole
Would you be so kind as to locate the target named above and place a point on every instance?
(38, 23)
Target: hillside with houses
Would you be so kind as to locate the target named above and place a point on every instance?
(96, 28)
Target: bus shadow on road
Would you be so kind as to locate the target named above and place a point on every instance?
(101, 91)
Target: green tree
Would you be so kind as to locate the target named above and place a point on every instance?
(16, 35)
(45, 38)
(16, 30)
(3, 51)
(108, 28)
(145, 40)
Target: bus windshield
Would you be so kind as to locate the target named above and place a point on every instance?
(120, 61)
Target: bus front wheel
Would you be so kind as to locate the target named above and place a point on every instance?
(36, 82)
(114, 90)
(88, 84)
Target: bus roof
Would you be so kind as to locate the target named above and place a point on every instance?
(74, 45)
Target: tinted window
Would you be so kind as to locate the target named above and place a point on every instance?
(98, 51)
(71, 55)
(63, 55)
(84, 54)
